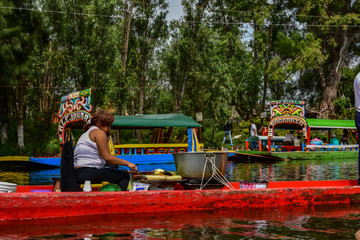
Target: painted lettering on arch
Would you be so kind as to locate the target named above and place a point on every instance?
(72, 117)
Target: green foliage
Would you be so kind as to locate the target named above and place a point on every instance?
(221, 58)
(341, 105)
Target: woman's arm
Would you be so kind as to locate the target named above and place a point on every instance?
(101, 140)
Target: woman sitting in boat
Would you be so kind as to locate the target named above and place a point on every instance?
(345, 138)
(316, 141)
(334, 140)
(92, 153)
(289, 139)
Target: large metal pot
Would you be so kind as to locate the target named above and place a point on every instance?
(191, 164)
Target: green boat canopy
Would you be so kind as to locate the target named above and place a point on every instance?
(330, 124)
(153, 121)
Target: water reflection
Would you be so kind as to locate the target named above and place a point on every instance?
(305, 222)
(295, 170)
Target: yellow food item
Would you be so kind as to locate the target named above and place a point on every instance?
(163, 172)
(173, 178)
(164, 178)
(155, 177)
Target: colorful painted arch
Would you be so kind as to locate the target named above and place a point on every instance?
(288, 122)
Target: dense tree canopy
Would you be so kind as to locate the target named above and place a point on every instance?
(222, 57)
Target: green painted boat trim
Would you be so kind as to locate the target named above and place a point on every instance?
(153, 121)
(330, 124)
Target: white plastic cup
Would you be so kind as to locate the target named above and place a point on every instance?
(87, 186)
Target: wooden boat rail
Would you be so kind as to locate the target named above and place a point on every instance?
(291, 148)
(313, 147)
(151, 148)
(351, 147)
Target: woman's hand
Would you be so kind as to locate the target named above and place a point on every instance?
(132, 166)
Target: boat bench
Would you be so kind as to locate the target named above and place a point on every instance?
(291, 148)
(282, 148)
(351, 147)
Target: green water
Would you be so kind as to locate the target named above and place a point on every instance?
(304, 222)
(294, 170)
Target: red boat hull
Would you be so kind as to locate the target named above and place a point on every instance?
(37, 205)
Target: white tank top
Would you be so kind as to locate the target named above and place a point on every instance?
(86, 152)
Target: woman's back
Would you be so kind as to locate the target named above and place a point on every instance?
(86, 152)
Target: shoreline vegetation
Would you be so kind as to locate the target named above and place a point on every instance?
(220, 58)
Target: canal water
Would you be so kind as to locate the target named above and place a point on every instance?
(303, 222)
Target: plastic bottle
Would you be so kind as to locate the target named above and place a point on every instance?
(87, 186)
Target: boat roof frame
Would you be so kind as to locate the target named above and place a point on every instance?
(149, 121)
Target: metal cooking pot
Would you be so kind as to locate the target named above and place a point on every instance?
(191, 164)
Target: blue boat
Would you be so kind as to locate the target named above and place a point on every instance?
(75, 112)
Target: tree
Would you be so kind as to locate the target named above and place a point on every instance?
(149, 32)
(335, 24)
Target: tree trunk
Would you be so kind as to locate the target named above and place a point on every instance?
(226, 29)
(20, 112)
(3, 136)
(330, 84)
(179, 95)
(127, 27)
(44, 100)
(182, 90)
(141, 100)
(266, 76)
(255, 53)
(127, 24)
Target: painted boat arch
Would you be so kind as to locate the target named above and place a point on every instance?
(288, 122)
(74, 108)
(290, 114)
(287, 114)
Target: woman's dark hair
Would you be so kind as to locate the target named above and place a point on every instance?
(102, 117)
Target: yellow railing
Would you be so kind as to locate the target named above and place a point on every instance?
(14, 158)
(151, 148)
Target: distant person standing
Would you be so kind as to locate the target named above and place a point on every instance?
(357, 116)
(264, 130)
(253, 132)
(227, 128)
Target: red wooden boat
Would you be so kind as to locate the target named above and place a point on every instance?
(24, 204)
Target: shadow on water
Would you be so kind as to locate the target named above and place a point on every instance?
(303, 222)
